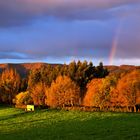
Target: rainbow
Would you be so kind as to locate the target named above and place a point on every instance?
(113, 51)
(114, 45)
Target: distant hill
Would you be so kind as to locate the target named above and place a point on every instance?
(24, 68)
(122, 68)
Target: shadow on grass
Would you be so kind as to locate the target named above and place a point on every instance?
(13, 116)
(124, 126)
(4, 106)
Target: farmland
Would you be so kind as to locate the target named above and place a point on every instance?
(69, 125)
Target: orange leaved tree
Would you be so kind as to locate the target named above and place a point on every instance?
(9, 85)
(129, 88)
(63, 92)
(98, 92)
(92, 97)
(38, 94)
(23, 98)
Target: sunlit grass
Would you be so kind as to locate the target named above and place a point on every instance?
(54, 124)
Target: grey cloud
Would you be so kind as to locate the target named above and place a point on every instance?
(66, 39)
(8, 55)
(18, 12)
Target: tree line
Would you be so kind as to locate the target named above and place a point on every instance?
(73, 85)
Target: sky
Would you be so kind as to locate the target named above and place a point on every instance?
(59, 31)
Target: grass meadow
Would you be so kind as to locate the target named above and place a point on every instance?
(16, 124)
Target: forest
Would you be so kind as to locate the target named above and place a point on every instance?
(76, 86)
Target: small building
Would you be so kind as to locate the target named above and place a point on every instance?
(30, 108)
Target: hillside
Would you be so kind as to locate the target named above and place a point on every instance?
(24, 68)
(121, 68)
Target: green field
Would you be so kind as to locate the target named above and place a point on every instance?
(15, 124)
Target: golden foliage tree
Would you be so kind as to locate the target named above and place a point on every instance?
(108, 85)
(92, 97)
(38, 94)
(129, 88)
(9, 85)
(98, 92)
(63, 92)
(23, 98)
(117, 99)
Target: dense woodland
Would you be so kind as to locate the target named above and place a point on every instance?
(79, 85)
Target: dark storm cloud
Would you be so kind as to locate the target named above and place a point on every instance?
(66, 39)
(59, 39)
(19, 12)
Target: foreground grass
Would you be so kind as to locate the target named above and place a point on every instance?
(16, 124)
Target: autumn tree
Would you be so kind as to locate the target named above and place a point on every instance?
(63, 92)
(84, 72)
(117, 99)
(129, 88)
(46, 74)
(23, 98)
(99, 90)
(38, 94)
(34, 77)
(9, 85)
(79, 72)
(92, 97)
(23, 85)
(72, 68)
(108, 85)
